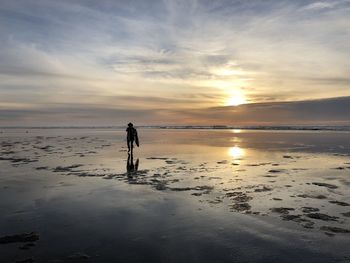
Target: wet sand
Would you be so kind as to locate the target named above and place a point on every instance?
(75, 195)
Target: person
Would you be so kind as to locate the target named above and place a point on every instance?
(131, 136)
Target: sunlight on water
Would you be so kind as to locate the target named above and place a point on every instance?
(236, 152)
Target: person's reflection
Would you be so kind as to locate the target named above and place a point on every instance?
(132, 168)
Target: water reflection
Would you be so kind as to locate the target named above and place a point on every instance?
(236, 131)
(132, 168)
(236, 152)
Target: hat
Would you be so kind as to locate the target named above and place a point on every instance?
(130, 124)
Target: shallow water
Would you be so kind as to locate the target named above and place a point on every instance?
(185, 196)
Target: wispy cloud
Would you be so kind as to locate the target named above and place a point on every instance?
(167, 54)
(321, 5)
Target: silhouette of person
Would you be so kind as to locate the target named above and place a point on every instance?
(131, 136)
(132, 168)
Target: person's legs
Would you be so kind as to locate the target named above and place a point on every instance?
(131, 146)
(129, 143)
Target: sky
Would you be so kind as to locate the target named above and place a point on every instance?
(174, 62)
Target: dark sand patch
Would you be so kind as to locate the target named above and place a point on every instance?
(308, 224)
(300, 169)
(335, 229)
(17, 160)
(322, 217)
(66, 168)
(282, 210)
(27, 260)
(307, 209)
(160, 185)
(258, 164)
(339, 168)
(297, 219)
(276, 171)
(277, 199)
(240, 207)
(79, 255)
(339, 203)
(42, 168)
(157, 158)
(19, 238)
(330, 186)
(269, 175)
(264, 188)
(196, 188)
(312, 196)
(239, 197)
(347, 214)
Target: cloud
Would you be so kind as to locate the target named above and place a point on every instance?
(320, 5)
(158, 52)
(326, 5)
(70, 116)
(333, 111)
(312, 112)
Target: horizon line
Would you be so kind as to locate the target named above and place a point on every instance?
(309, 127)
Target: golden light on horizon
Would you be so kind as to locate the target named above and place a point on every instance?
(236, 152)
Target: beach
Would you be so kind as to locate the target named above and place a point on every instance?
(185, 195)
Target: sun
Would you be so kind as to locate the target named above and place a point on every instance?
(236, 100)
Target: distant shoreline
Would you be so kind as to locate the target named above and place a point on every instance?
(193, 127)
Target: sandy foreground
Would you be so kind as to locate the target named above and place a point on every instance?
(75, 195)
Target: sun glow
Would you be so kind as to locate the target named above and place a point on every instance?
(235, 96)
(236, 100)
